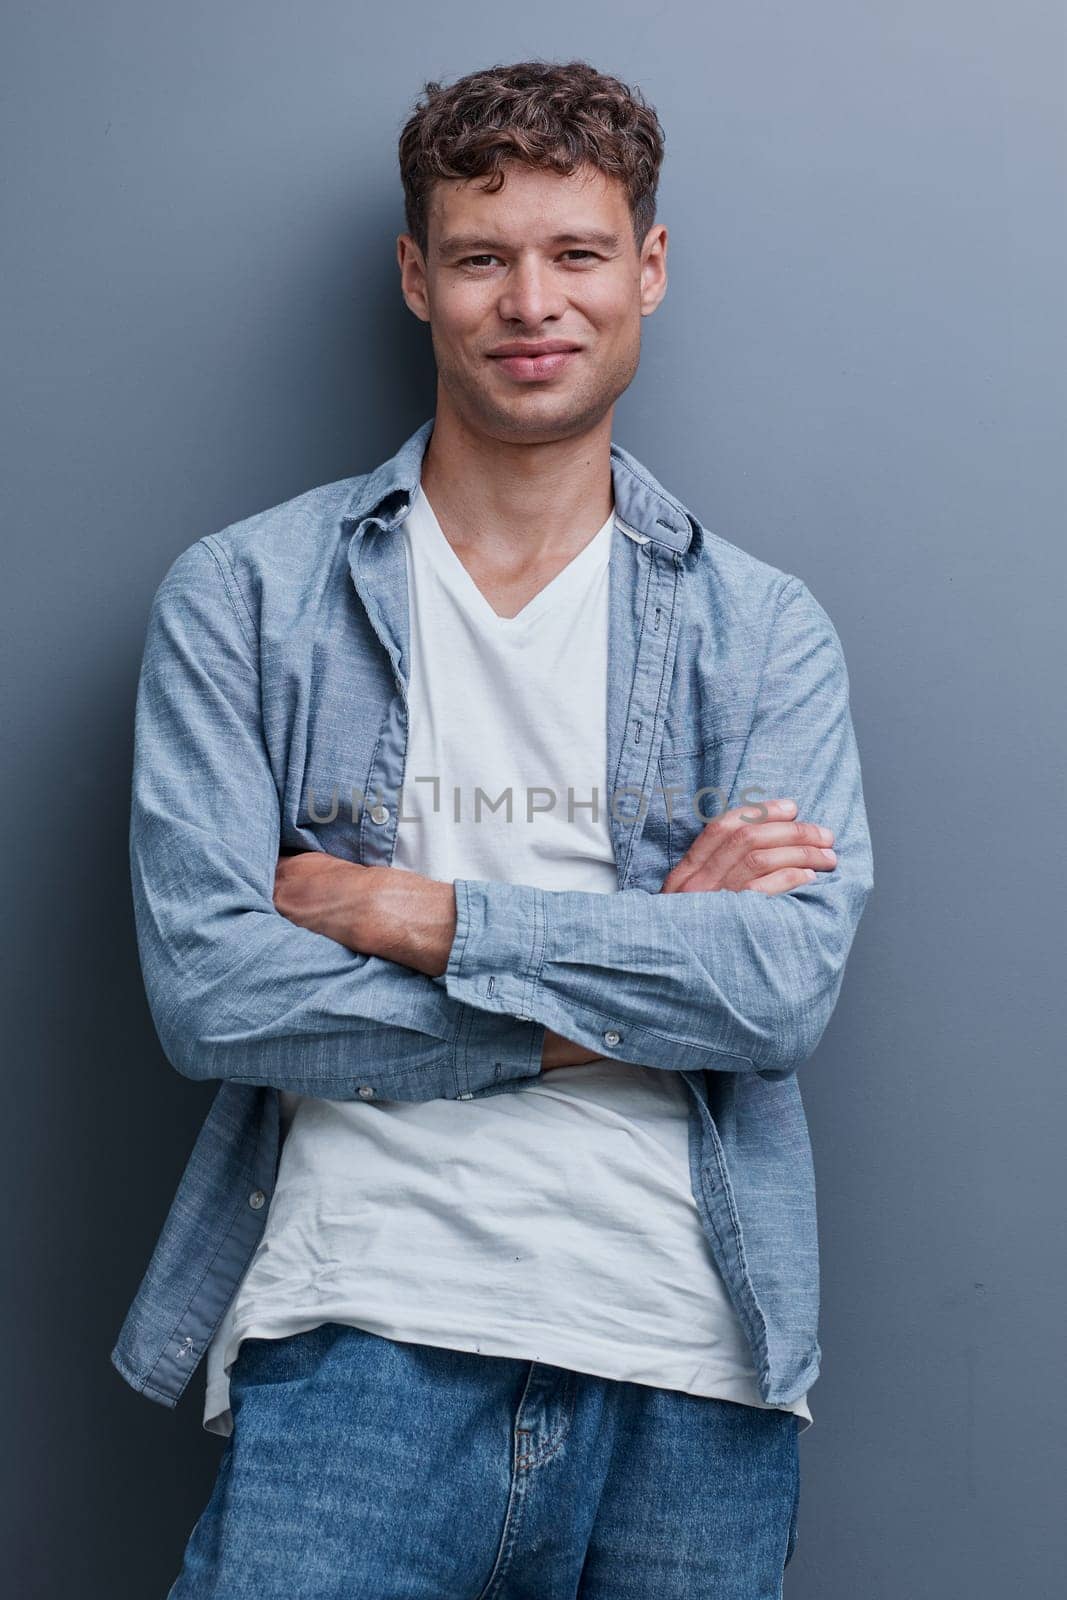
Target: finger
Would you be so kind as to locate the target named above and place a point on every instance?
(711, 837)
(728, 849)
(781, 882)
(707, 879)
(758, 863)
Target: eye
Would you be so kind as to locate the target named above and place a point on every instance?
(470, 261)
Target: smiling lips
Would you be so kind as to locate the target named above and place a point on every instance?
(532, 361)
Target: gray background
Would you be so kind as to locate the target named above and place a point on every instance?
(857, 374)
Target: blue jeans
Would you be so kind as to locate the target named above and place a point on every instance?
(372, 1469)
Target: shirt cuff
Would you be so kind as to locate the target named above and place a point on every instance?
(498, 945)
(496, 1052)
(492, 967)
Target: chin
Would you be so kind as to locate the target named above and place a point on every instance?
(543, 408)
(533, 426)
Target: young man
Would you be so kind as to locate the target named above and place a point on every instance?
(482, 815)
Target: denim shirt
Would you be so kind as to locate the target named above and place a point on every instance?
(271, 716)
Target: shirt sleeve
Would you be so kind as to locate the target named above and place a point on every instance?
(237, 991)
(730, 980)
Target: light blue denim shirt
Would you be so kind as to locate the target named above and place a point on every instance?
(272, 716)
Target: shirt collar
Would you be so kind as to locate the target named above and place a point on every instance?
(642, 506)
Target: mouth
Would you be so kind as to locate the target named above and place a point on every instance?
(531, 368)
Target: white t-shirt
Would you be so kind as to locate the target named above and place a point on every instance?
(554, 1223)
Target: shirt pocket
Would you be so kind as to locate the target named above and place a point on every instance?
(348, 732)
(697, 779)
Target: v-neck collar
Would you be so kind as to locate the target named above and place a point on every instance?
(443, 554)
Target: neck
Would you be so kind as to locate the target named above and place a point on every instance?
(530, 500)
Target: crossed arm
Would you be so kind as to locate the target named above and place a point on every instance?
(238, 990)
(406, 917)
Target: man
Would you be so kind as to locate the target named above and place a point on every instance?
(481, 842)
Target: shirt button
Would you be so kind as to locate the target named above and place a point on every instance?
(611, 1037)
(366, 1092)
(379, 813)
(257, 1199)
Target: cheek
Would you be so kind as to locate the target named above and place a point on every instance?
(445, 329)
(456, 315)
(613, 307)
(617, 341)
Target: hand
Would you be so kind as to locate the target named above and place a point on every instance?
(771, 854)
(556, 1051)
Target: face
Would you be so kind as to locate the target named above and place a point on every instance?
(549, 262)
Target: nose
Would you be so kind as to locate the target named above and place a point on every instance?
(530, 295)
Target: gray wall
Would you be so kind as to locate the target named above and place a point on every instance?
(857, 374)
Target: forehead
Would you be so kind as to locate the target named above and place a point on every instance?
(532, 206)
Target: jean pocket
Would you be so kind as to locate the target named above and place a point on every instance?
(262, 1360)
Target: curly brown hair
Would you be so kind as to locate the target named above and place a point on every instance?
(544, 114)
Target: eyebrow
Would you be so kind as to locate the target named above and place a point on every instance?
(474, 243)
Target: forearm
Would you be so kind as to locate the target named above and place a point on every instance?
(248, 996)
(730, 981)
(678, 981)
(396, 915)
